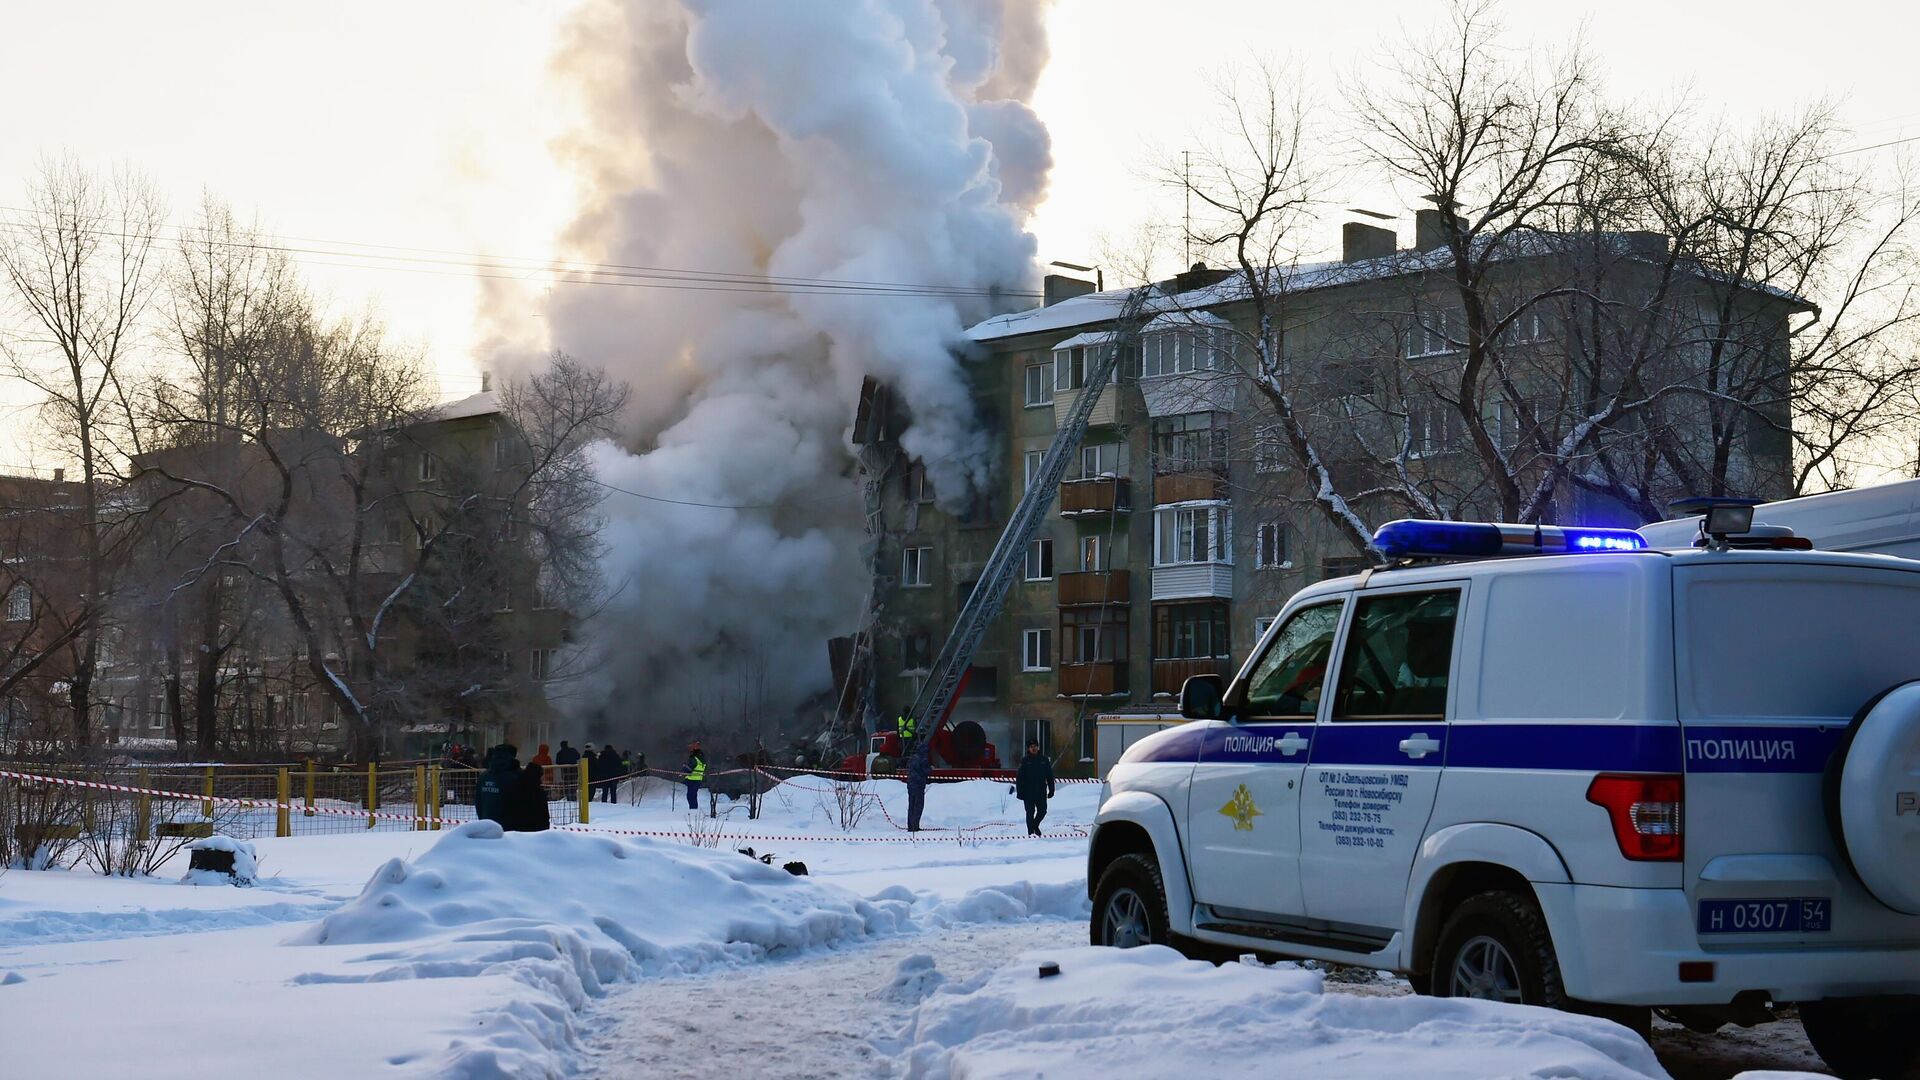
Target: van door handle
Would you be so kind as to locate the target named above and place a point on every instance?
(1291, 743)
(1418, 745)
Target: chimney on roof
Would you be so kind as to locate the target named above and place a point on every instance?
(486, 381)
(1360, 241)
(1057, 287)
(59, 475)
(1652, 245)
(1430, 229)
(1199, 276)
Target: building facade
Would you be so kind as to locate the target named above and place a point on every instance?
(1182, 524)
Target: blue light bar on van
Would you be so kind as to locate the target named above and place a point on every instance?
(1417, 539)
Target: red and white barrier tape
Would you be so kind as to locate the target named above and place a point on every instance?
(273, 804)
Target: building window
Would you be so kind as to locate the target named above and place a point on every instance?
(1099, 459)
(1070, 368)
(502, 452)
(1270, 547)
(1039, 385)
(918, 488)
(1175, 352)
(1432, 429)
(982, 682)
(916, 652)
(1092, 554)
(157, 713)
(1190, 632)
(19, 604)
(1092, 635)
(916, 567)
(1192, 534)
(1266, 451)
(540, 664)
(1032, 460)
(1189, 443)
(1260, 627)
(546, 590)
(1432, 334)
(510, 529)
(1036, 649)
(1035, 730)
(1040, 560)
(1525, 329)
(1342, 566)
(506, 598)
(429, 466)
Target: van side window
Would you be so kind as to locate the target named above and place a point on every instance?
(1291, 676)
(1398, 653)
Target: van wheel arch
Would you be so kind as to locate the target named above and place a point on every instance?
(1450, 887)
(1112, 840)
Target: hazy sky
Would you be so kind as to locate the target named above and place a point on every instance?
(368, 126)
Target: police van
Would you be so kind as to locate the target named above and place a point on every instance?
(1555, 766)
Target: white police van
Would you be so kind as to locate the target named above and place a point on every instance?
(1555, 767)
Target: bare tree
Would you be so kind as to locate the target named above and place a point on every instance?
(78, 273)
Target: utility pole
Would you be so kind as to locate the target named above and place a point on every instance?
(1186, 221)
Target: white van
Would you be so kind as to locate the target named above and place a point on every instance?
(1608, 778)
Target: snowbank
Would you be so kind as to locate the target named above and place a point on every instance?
(1149, 1013)
(568, 914)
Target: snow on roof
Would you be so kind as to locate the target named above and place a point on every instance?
(1103, 307)
(484, 403)
(1091, 337)
(1174, 320)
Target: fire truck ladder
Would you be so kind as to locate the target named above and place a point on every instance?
(989, 594)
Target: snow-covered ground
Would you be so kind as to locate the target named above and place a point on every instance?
(612, 951)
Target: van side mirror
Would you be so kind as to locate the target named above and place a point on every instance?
(1201, 697)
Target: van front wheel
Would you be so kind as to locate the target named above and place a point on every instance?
(1130, 905)
(1495, 947)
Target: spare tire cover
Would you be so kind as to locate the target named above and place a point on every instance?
(1879, 799)
(969, 743)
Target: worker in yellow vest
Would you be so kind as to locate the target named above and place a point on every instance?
(906, 730)
(696, 774)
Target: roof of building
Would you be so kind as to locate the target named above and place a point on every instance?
(1190, 307)
(484, 403)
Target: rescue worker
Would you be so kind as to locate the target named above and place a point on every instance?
(566, 755)
(496, 785)
(1034, 785)
(695, 772)
(527, 803)
(919, 772)
(607, 771)
(543, 759)
(906, 731)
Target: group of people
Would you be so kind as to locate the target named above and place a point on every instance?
(605, 768)
(512, 794)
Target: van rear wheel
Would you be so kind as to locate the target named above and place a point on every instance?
(1865, 1037)
(1495, 947)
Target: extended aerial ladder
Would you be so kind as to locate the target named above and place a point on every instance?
(949, 672)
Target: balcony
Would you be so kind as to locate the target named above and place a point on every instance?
(1106, 408)
(1170, 675)
(1104, 678)
(1089, 587)
(1184, 581)
(1098, 495)
(1196, 486)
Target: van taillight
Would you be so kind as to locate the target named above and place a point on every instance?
(1645, 811)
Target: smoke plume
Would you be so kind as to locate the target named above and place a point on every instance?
(852, 140)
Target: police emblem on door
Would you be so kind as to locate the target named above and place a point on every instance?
(1241, 809)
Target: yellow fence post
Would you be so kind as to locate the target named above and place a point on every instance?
(373, 794)
(419, 798)
(282, 797)
(206, 801)
(308, 812)
(142, 806)
(586, 792)
(433, 794)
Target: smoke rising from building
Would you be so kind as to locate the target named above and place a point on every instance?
(884, 141)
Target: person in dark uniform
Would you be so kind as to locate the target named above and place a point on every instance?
(607, 772)
(527, 802)
(1034, 785)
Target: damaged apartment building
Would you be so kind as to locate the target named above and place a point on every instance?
(1183, 523)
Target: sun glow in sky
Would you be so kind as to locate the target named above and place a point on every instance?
(388, 138)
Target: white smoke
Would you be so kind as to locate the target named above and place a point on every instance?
(854, 140)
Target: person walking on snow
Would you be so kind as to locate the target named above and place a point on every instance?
(608, 770)
(1034, 785)
(696, 773)
(919, 770)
